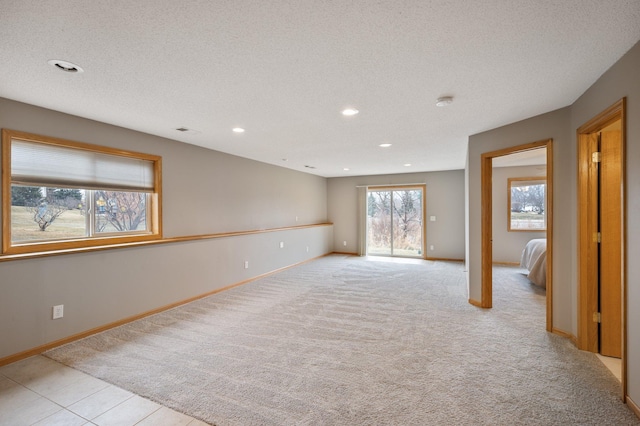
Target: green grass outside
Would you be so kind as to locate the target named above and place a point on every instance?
(70, 224)
(527, 220)
(532, 216)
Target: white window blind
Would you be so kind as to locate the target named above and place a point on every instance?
(37, 164)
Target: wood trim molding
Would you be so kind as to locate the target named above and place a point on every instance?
(443, 259)
(587, 333)
(486, 212)
(486, 221)
(475, 303)
(605, 118)
(50, 140)
(563, 333)
(632, 405)
(42, 348)
(10, 257)
(549, 217)
(6, 189)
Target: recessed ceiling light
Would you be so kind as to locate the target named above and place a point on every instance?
(238, 130)
(285, 159)
(408, 165)
(65, 66)
(346, 169)
(384, 145)
(349, 112)
(444, 101)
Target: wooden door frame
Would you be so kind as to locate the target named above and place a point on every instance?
(587, 338)
(487, 218)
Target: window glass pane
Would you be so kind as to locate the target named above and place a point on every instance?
(379, 222)
(41, 214)
(528, 205)
(117, 211)
(407, 222)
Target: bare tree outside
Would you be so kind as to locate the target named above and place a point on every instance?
(46, 213)
(379, 221)
(408, 213)
(120, 211)
(52, 204)
(528, 198)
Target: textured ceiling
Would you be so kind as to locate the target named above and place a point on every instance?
(284, 70)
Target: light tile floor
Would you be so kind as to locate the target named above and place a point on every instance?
(613, 364)
(40, 391)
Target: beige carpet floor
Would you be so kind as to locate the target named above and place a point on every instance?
(353, 341)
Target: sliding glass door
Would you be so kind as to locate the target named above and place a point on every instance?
(395, 217)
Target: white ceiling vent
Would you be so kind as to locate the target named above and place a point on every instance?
(187, 131)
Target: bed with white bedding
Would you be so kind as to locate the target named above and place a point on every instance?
(534, 259)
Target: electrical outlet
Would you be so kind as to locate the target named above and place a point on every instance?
(307, 249)
(58, 311)
(246, 264)
(281, 244)
(431, 247)
(344, 243)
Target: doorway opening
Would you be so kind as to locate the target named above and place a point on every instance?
(602, 236)
(395, 221)
(487, 221)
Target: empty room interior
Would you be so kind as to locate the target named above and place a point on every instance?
(310, 212)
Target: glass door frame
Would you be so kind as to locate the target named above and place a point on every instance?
(423, 231)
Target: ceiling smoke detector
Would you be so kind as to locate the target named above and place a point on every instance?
(65, 66)
(444, 101)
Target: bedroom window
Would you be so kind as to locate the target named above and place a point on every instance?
(58, 194)
(527, 202)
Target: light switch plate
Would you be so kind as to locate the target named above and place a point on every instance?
(58, 312)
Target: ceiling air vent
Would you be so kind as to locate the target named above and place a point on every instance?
(187, 131)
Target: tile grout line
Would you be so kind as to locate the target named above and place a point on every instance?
(63, 408)
(115, 406)
(150, 414)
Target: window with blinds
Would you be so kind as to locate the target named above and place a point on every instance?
(59, 194)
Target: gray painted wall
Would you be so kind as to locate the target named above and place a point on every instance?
(621, 80)
(551, 125)
(445, 200)
(507, 246)
(204, 192)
